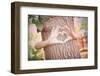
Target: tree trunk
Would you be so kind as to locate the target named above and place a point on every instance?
(68, 50)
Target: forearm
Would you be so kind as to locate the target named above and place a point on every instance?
(41, 44)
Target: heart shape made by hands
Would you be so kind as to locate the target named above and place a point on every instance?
(62, 36)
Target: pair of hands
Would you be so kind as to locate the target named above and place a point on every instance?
(54, 34)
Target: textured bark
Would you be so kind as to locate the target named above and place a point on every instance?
(68, 50)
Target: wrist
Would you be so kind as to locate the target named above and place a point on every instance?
(48, 42)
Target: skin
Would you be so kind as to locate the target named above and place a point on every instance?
(54, 33)
(52, 39)
(42, 44)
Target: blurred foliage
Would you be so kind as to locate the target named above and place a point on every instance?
(33, 54)
(84, 24)
(34, 19)
(37, 19)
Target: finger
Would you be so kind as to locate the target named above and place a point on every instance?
(58, 28)
(59, 41)
(52, 29)
(59, 33)
(68, 39)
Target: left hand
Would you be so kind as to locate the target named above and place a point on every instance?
(53, 36)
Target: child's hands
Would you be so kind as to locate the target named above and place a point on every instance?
(53, 36)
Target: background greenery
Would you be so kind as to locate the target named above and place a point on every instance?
(33, 53)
